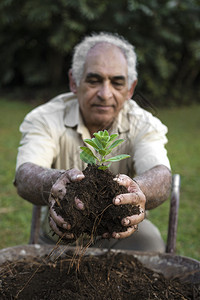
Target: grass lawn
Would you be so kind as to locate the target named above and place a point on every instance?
(183, 150)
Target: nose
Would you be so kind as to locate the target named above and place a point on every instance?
(105, 91)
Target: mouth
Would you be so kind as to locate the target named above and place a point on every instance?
(102, 108)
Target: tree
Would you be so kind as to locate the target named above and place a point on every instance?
(37, 37)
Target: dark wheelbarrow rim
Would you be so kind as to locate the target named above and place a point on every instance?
(186, 269)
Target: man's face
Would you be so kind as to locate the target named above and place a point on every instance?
(103, 88)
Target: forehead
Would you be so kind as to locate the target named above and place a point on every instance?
(106, 59)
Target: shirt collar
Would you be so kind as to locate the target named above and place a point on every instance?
(121, 124)
(73, 118)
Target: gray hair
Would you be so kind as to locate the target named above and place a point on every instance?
(81, 50)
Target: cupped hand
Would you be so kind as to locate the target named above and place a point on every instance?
(58, 192)
(134, 197)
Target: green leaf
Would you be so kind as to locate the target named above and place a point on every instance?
(104, 141)
(103, 137)
(101, 143)
(91, 143)
(87, 156)
(118, 157)
(115, 144)
(99, 134)
(105, 133)
(101, 140)
(113, 136)
(103, 152)
(97, 141)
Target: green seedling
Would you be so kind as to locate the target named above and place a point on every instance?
(103, 144)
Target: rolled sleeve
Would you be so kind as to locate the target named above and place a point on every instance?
(37, 145)
(149, 147)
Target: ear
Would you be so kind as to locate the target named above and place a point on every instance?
(132, 89)
(72, 82)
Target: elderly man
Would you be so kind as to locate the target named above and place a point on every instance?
(103, 78)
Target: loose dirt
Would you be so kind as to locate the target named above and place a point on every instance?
(110, 276)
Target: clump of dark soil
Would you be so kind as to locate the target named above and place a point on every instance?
(111, 276)
(96, 191)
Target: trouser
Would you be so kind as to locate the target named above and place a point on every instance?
(147, 238)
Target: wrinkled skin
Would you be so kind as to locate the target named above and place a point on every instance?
(103, 88)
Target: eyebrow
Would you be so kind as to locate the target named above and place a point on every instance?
(92, 75)
(96, 75)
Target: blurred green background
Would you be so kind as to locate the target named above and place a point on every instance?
(37, 38)
(36, 42)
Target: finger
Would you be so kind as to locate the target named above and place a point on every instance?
(126, 181)
(106, 235)
(136, 198)
(57, 218)
(121, 235)
(69, 236)
(59, 188)
(133, 220)
(75, 175)
(79, 204)
(55, 228)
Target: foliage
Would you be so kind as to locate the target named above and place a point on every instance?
(103, 144)
(37, 38)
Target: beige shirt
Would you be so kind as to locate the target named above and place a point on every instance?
(53, 133)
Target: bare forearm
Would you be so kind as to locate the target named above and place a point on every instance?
(34, 183)
(155, 184)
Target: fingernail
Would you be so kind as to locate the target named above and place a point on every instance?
(80, 176)
(126, 222)
(117, 201)
(80, 205)
(69, 236)
(66, 226)
(119, 180)
(105, 235)
(116, 236)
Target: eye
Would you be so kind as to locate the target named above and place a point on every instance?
(118, 84)
(93, 81)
